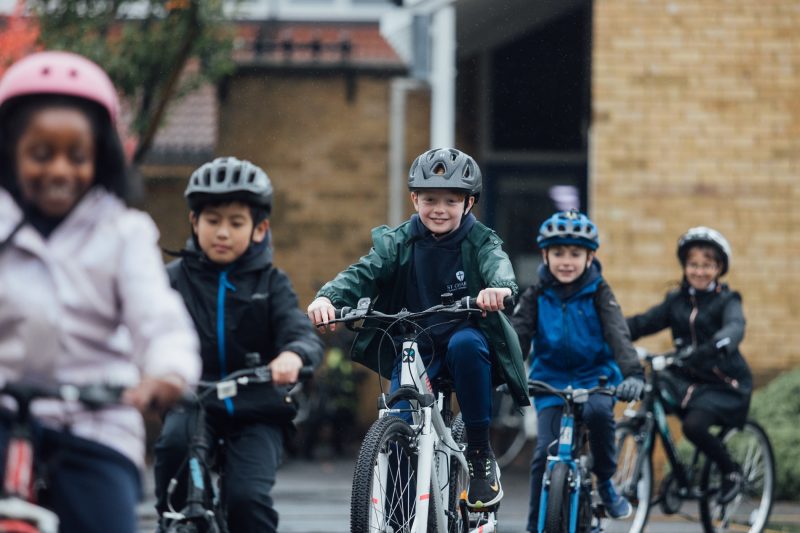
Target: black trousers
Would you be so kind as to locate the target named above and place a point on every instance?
(252, 454)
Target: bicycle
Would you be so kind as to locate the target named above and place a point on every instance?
(566, 502)
(204, 510)
(512, 427)
(24, 478)
(698, 480)
(413, 478)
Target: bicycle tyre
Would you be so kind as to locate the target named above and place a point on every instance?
(629, 439)
(558, 500)
(459, 483)
(391, 442)
(507, 434)
(750, 447)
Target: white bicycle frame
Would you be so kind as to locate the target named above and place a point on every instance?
(435, 439)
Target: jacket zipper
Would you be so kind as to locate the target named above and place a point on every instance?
(692, 318)
(717, 372)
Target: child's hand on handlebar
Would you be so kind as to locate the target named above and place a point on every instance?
(491, 298)
(286, 368)
(155, 393)
(320, 311)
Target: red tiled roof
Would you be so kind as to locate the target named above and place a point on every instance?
(190, 125)
(291, 42)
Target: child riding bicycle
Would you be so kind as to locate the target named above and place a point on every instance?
(714, 383)
(83, 294)
(246, 313)
(573, 326)
(441, 249)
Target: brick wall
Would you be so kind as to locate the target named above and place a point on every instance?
(697, 122)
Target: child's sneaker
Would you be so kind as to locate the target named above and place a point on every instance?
(484, 479)
(617, 506)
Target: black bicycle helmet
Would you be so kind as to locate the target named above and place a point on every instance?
(445, 168)
(707, 236)
(229, 179)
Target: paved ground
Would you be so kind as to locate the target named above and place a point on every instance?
(315, 498)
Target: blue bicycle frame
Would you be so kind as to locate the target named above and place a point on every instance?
(564, 455)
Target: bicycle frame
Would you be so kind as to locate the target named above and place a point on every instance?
(570, 441)
(433, 433)
(19, 510)
(655, 423)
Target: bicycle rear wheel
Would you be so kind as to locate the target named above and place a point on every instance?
(629, 439)
(558, 500)
(749, 446)
(384, 481)
(508, 435)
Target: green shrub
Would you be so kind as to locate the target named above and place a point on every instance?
(777, 408)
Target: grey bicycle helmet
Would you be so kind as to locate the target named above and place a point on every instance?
(445, 168)
(707, 236)
(570, 228)
(229, 178)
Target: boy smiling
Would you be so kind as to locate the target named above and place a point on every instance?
(441, 249)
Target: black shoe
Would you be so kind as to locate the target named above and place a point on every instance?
(730, 488)
(484, 479)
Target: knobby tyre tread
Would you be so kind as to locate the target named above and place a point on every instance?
(628, 439)
(394, 436)
(558, 500)
(751, 449)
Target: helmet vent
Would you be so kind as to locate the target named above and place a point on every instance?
(73, 73)
(439, 169)
(46, 71)
(221, 175)
(237, 175)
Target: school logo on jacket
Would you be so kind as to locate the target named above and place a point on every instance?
(460, 284)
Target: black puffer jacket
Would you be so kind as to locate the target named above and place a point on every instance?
(705, 320)
(254, 307)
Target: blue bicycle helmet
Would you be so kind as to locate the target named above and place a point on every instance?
(568, 227)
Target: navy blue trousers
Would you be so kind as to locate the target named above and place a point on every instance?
(91, 487)
(468, 362)
(598, 415)
(253, 452)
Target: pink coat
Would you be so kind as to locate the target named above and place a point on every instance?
(91, 304)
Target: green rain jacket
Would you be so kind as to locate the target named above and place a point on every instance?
(381, 276)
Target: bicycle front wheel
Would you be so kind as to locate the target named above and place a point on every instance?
(558, 500)
(385, 479)
(459, 484)
(750, 448)
(630, 439)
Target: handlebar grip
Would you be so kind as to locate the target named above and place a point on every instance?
(468, 302)
(305, 373)
(341, 313)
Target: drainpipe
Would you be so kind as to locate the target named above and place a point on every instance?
(397, 147)
(443, 77)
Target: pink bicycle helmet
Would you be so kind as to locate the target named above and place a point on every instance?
(60, 73)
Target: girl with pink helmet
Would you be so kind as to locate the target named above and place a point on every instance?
(84, 297)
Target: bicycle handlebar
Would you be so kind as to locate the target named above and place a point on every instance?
(659, 361)
(93, 396)
(465, 306)
(535, 386)
(227, 386)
